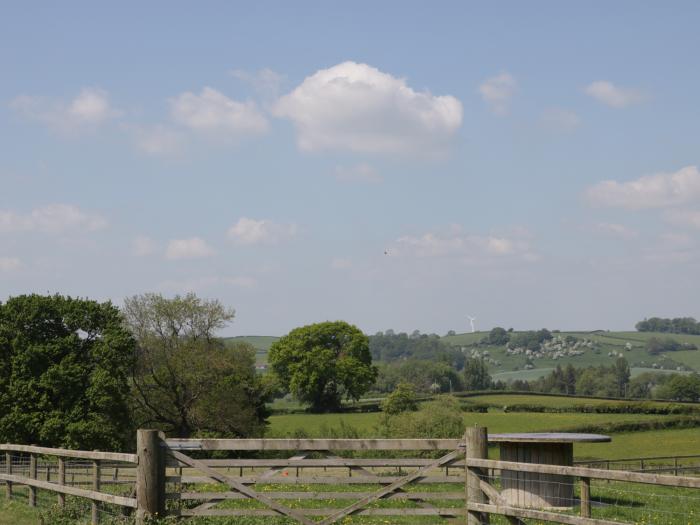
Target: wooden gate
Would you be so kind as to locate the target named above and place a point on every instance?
(361, 485)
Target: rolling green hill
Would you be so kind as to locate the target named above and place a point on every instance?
(604, 349)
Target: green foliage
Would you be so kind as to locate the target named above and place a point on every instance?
(656, 346)
(476, 375)
(389, 347)
(530, 340)
(64, 373)
(403, 399)
(441, 418)
(186, 380)
(323, 363)
(681, 388)
(678, 325)
(497, 336)
(425, 376)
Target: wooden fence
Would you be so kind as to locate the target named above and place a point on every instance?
(327, 479)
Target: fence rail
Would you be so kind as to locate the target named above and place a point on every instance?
(452, 479)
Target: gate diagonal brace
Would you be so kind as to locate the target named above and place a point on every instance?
(231, 482)
(384, 491)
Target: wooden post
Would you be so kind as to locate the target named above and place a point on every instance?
(585, 497)
(150, 475)
(675, 466)
(95, 517)
(8, 469)
(61, 480)
(32, 475)
(476, 443)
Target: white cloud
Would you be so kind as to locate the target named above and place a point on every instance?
(192, 248)
(617, 230)
(357, 173)
(498, 91)
(213, 112)
(8, 264)
(252, 231)
(612, 95)
(470, 248)
(265, 81)
(159, 140)
(89, 108)
(560, 119)
(54, 218)
(142, 246)
(651, 191)
(356, 107)
(684, 218)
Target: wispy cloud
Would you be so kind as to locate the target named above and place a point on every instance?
(192, 248)
(262, 231)
(498, 91)
(612, 95)
(54, 218)
(90, 108)
(214, 113)
(652, 191)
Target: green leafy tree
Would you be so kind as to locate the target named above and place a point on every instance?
(476, 375)
(187, 381)
(64, 373)
(403, 399)
(323, 363)
(681, 388)
(497, 336)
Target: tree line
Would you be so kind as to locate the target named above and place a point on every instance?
(677, 325)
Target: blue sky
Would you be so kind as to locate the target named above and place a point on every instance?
(397, 164)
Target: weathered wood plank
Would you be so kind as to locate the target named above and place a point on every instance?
(612, 475)
(318, 463)
(67, 453)
(313, 444)
(231, 482)
(404, 480)
(323, 512)
(71, 491)
(317, 495)
(313, 480)
(555, 517)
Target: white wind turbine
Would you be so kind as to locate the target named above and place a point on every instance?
(471, 321)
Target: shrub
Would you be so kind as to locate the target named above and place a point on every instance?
(441, 418)
(403, 399)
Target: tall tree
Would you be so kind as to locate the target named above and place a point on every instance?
(476, 374)
(187, 381)
(323, 363)
(64, 373)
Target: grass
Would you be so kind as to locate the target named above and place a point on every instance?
(501, 400)
(17, 513)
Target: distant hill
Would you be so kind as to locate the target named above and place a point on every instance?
(604, 348)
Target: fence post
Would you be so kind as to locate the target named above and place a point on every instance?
(150, 475)
(585, 497)
(61, 480)
(476, 446)
(8, 469)
(32, 475)
(94, 515)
